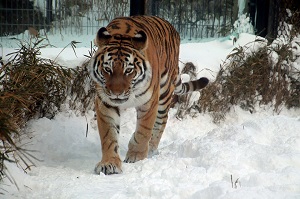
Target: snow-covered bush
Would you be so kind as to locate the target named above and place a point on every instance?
(254, 76)
(242, 25)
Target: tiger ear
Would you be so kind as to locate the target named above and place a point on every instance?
(139, 41)
(102, 37)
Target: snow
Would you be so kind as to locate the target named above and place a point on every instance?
(243, 25)
(242, 6)
(246, 156)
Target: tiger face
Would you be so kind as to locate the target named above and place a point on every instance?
(120, 69)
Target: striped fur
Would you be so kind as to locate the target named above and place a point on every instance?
(136, 65)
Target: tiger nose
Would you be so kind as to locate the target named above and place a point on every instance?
(117, 94)
(115, 91)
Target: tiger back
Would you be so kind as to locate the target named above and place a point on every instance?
(136, 65)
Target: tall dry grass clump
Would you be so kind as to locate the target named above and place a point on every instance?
(30, 87)
(83, 90)
(249, 78)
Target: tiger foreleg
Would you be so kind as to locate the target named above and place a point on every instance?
(108, 119)
(139, 143)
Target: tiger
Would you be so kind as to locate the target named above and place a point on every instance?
(135, 65)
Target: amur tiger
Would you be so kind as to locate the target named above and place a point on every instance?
(135, 65)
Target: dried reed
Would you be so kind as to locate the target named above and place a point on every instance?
(249, 79)
(30, 86)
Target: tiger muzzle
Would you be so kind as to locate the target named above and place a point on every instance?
(118, 98)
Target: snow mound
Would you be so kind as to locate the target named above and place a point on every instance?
(256, 157)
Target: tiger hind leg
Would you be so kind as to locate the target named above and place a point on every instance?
(155, 139)
(159, 125)
(139, 143)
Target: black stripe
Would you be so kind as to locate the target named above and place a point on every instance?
(166, 100)
(145, 127)
(106, 134)
(145, 91)
(178, 83)
(162, 112)
(143, 73)
(116, 149)
(161, 116)
(128, 27)
(164, 73)
(187, 87)
(135, 139)
(165, 94)
(160, 123)
(195, 85)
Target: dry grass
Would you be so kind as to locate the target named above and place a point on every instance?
(83, 89)
(247, 79)
(30, 87)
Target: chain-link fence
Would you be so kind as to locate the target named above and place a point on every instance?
(59, 16)
(17, 15)
(270, 17)
(197, 18)
(286, 11)
(192, 18)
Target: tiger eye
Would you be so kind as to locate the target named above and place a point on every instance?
(107, 69)
(129, 70)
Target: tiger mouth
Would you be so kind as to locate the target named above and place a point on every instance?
(118, 100)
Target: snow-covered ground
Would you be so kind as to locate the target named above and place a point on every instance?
(247, 156)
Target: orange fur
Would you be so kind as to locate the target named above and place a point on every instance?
(136, 65)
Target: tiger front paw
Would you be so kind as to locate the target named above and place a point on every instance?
(132, 157)
(108, 168)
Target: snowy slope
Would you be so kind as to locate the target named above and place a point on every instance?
(247, 156)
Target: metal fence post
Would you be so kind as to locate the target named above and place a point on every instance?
(137, 7)
(49, 17)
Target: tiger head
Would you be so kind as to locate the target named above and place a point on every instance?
(120, 68)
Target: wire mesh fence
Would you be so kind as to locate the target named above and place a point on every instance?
(192, 18)
(16, 16)
(270, 17)
(197, 18)
(286, 11)
(59, 16)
